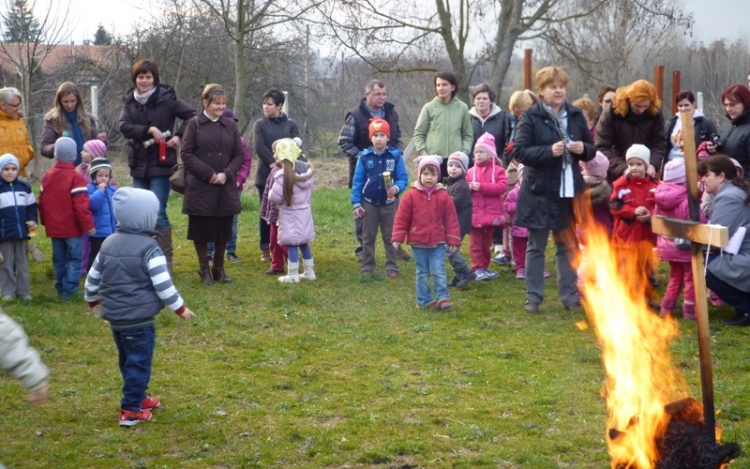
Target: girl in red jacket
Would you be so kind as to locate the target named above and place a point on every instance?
(426, 219)
(488, 184)
(632, 203)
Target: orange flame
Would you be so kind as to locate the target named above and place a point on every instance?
(635, 343)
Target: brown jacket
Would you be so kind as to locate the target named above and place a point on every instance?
(50, 135)
(210, 148)
(615, 134)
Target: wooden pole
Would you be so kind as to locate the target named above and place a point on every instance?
(659, 81)
(701, 302)
(527, 69)
(675, 89)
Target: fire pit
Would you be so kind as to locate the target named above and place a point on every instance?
(652, 420)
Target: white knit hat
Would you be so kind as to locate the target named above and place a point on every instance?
(639, 151)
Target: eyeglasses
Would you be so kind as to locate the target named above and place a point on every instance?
(14, 106)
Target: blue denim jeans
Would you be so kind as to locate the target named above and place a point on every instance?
(232, 244)
(136, 352)
(67, 254)
(734, 297)
(160, 187)
(430, 262)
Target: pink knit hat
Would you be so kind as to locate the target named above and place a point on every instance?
(96, 147)
(674, 171)
(430, 160)
(487, 141)
(597, 167)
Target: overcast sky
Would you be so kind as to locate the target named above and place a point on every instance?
(713, 18)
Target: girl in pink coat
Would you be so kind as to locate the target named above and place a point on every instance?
(672, 201)
(292, 192)
(488, 183)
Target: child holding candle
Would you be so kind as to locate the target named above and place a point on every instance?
(379, 177)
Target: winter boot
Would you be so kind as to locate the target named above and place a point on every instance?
(688, 310)
(309, 272)
(667, 306)
(201, 249)
(217, 271)
(265, 255)
(165, 243)
(292, 276)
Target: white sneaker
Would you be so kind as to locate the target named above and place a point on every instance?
(289, 279)
(490, 274)
(481, 275)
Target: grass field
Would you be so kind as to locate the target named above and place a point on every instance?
(343, 372)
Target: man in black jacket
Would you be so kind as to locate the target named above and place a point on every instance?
(355, 137)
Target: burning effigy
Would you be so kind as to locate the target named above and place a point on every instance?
(652, 423)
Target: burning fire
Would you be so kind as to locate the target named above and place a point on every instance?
(641, 382)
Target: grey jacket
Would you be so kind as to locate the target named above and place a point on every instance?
(17, 357)
(729, 210)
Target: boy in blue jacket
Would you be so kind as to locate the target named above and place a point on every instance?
(17, 216)
(375, 195)
(100, 197)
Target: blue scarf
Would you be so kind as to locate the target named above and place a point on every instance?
(77, 134)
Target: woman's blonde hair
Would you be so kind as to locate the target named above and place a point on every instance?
(550, 75)
(211, 93)
(589, 108)
(639, 90)
(57, 114)
(289, 180)
(522, 100)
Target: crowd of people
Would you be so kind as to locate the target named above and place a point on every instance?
(507, 180)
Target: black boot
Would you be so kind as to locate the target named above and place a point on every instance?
(218, 269)
(205, 270)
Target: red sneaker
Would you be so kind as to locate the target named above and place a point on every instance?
(128, 418)
(150, 403)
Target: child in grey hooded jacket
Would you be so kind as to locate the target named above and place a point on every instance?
(21, 360)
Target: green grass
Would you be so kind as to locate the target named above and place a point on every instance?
(342, 372)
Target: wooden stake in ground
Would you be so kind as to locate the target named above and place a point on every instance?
(699, 235)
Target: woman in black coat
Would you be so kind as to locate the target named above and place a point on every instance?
(212, 153)
(704, 128)
(149, 111)
(734, 135)
(551, 139)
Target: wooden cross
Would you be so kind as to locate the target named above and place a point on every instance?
(699, 235)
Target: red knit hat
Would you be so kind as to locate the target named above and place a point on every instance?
(379, 125)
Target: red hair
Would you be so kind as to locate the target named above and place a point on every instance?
(737, 94)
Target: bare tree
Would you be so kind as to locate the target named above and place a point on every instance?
(24, 59)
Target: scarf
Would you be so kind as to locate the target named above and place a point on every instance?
(143, 98)
(77, 134)
(566, 181)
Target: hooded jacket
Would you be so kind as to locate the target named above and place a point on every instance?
(102, 210)
(296, 226)
(129, 276)
(14, 139)
(17, 206)
(426, 220)
(735, 140)
(671, 201)
(487, 202)
(64, 202)
(494, 124)
(160, 111)
(539, 201)
(443, 128)
(615, 134)
(628, 194)
(18, 358)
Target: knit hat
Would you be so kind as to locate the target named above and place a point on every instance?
(96, 147)
(298, 141)
(97, 164)
(66, 150)
(487, 141)
(229, 114)
(287, 149)
(379, 125)
(461, 158)
(430, 160)
(639, 151)
(597, 167)
(674, 171)
(135, 209)
(7, 159)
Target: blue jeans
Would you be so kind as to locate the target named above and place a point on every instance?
(430, 262)
(67, 254)
(734, 297)
(232, 244)
(160, 187)
(136, 352)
